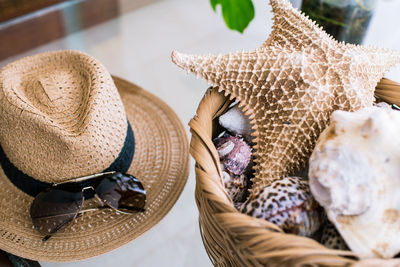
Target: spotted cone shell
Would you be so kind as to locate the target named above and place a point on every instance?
(289, 204)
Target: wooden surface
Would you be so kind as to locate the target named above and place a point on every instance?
(14, 8)
(22, 33)
(129, 5)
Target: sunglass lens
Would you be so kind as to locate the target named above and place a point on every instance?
(123, 192)
(55, 207)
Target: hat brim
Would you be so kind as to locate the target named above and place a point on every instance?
(161, 162)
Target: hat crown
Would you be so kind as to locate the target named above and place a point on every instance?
(62, 116)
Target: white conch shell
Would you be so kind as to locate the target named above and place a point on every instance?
(355, 175)
(236, 122)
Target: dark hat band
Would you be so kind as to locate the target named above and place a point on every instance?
(32, 186)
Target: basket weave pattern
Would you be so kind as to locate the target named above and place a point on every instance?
(235, 239)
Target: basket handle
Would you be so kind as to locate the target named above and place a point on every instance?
(388, 91)
(201, 127)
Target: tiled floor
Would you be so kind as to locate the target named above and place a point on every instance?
(137, 47)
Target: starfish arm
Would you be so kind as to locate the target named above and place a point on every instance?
(292, 29)
(371, 63)
(209, 67)
(360, 69)
(235, 74)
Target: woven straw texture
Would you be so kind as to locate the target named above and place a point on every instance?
(235, 239)
(59, 106)
(160, 162)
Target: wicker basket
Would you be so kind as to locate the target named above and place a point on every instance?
(235, 239)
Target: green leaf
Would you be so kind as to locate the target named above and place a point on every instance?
(214, 4)
(237, 13)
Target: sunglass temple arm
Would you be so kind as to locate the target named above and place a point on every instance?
(84, 178)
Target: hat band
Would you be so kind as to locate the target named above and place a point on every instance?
(32, 186)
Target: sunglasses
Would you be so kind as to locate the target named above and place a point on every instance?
(57, 206)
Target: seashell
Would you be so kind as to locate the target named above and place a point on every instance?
(289, 204)
(354, 174)
(331, 238)
(225, 148)
(383, 105)
(235, 185)
(234, 152)
(236, 122)
(238, 205)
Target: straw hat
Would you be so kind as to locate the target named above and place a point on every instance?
(63, 116)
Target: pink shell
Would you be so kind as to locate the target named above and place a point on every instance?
(235, 153)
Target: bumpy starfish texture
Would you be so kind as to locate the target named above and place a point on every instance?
(290, 86)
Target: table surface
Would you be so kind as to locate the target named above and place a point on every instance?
(137, 46)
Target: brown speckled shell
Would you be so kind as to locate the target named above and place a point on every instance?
(289, 204)
(331, 238)
(236, 186)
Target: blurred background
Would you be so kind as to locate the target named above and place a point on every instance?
(25, 24)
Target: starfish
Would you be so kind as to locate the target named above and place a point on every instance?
(290, 86)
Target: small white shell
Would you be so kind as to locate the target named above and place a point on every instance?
(236, 122)
(355, 175)
(225, 148)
